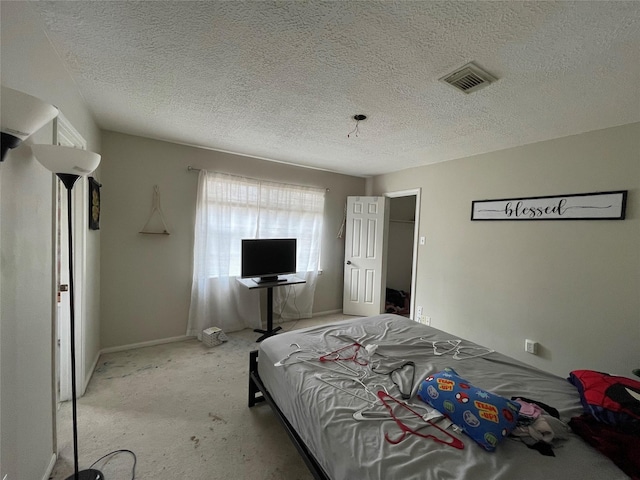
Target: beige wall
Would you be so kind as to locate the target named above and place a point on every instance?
(27, 414)
(573, 286)
(146, 279)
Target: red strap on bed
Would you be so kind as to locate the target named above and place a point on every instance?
(336, 355)
(452, 442)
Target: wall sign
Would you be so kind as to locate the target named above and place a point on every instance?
(580, 206)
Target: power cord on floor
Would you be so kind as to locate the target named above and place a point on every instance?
(115, 452)
(284, 304)
(295, 297)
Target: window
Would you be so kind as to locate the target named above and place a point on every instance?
(230, 208)
(246, 208)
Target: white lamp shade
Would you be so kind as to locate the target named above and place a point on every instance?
(61, 159)
(23, 114)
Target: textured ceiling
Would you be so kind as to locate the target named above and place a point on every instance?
(282, 80)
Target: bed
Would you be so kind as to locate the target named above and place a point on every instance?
(316, 403)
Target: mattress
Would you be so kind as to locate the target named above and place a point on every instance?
(320, 403)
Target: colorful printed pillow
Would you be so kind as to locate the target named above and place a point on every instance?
(486, 417)
(611, 399)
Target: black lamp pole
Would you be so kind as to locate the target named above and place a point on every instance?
(90, 474)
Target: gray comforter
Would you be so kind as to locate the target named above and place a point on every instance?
(320, 398)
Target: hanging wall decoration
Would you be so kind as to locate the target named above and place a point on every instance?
(579, 206)
(94, 204)
(156, 225)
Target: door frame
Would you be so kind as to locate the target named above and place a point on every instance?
(65, 134)
(416, 240)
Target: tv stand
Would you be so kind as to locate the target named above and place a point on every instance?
(278, 282)
(275, 279)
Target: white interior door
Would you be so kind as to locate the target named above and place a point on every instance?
(365, 259)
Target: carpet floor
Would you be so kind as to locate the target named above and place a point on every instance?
(182, 409)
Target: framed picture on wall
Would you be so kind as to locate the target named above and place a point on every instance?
(578, 206)
(94, 204)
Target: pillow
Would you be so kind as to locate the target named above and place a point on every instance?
(610, 399)
(486, 417)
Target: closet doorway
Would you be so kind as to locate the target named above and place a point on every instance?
(402, 251)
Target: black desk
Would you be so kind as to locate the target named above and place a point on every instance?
(251, 284)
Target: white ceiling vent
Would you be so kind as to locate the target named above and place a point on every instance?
(469, 78)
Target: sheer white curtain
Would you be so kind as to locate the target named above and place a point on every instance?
(224, 205)
(230, 208)
(292, 211)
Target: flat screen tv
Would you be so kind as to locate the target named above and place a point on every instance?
(265, 258)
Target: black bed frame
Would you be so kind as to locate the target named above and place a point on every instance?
(258, 393)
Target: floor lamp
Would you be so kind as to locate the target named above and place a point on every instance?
(21, 116)
(69, 164)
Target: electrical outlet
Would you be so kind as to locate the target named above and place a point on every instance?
(531, 347)
(421, 317)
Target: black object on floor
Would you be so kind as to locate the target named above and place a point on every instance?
(89, 474)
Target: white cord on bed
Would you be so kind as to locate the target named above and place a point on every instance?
(372, 402)
(457, 349)
(457, 356)
(350, 371)
(454, 344)
(281, 363)
(315, 363)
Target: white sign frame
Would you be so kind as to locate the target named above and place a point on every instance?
(578, 206)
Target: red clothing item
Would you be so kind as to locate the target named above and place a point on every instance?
(622, 448)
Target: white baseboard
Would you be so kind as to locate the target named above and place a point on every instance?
(328, 312)
(181, 338)
(280, 319)
(150, 343)
(49, 471)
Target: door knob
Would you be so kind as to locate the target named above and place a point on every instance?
(348, 262)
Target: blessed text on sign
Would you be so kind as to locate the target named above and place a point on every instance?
(582, 206)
